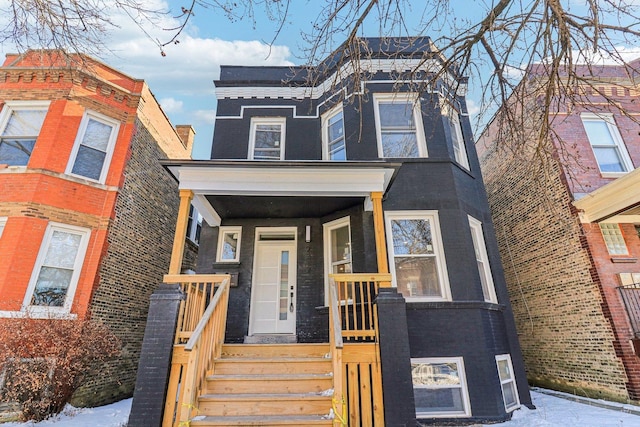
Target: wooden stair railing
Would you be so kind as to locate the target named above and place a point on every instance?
(357, 364)
(201, 323)
(336, 344)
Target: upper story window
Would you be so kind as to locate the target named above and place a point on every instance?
(613, 239)
(267, 138)
(194, 225)
(333, 142)
(57, 270)
(20, 124)
(416, 255)
(93, 147)
(3, 222)
(606, 142)
(399, 125)
(457, 139)
(482, 259)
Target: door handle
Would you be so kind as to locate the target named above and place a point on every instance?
(291, 303)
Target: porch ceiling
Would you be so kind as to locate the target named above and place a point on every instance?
(280, 207)
(244, 188)
(617, 202)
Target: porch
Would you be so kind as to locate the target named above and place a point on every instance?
(335, 382)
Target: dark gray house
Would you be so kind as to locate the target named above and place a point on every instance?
(320, 180)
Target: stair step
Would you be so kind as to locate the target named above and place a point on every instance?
(269, 383)
(276, 365)
(264, 404)
(264, 420)
(275, 350)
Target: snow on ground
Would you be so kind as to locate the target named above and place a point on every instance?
(551, 412)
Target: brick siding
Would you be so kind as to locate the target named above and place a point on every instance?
(138, 254)
(566, 336)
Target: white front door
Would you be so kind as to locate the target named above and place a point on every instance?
(273, 291)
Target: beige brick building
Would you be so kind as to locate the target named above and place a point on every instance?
(567, 220)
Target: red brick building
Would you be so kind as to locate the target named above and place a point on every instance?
(86, 212)
(568, 229)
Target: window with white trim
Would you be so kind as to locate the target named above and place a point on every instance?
(55, 275)
(228, 244)
(337, 250)
(194, 225)
(507, 382)
(457, 139)
(416, 255)
(606, 142)
(482, 260)
(267, 138)
(399, 126)
(20, 124)
(333, 142)
(440, 387)
(613, 239)
(93, 147)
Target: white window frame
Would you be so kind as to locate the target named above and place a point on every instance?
(3, 223)
(438, 249)
(612, 238)
(115, 128)
(480, 249)
(11, 106)
(459, 361)
(222, 231)
(455, 126)
(404, 98)
(85, 233)
(512, 380)
(196, 220)
(255, 121)
(326, 155)
(621, 148)
(327, 228)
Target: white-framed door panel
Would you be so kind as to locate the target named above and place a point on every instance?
(273, 290)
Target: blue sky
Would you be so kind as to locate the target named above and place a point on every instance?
(182, 81)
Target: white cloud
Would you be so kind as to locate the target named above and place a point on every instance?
(171, 105)
(472, 107)
(204, 116)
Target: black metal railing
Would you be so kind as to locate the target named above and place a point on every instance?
(631, 297)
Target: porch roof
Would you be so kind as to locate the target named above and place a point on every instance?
(617, 202)
(212, 181)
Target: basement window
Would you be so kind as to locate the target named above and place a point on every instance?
(440, 387)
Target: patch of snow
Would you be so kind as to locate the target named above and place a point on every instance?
(113, 415)
(551, 412)
(329, 416)
(328, 392)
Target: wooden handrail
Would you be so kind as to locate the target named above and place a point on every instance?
(335, 317)
(201, 323)
(197, 332)
(203, 346)
(336, 345)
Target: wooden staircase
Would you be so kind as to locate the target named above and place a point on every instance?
(268, 385)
